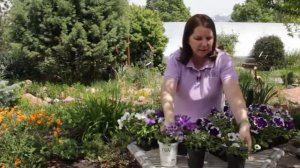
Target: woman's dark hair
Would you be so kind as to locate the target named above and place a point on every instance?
(191, 24)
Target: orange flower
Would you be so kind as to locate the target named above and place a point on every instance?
(58, 122)
(17, 162)
(39, 121)
(3, 125)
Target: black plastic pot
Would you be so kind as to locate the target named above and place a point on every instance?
(235, 161)
(196, 158)
(182, 150)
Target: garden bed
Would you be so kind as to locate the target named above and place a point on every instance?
(263, 159)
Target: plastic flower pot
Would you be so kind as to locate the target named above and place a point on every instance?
(182, 150)
(235, 161)
(168, 154)
(196, 158)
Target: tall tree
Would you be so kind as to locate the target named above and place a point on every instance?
(290, 9)
(253, 11)
(75, 40)
(170, 11)
(147, 40)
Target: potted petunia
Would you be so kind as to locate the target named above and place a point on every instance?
(142, 127)
(197, 140)
(270, 126)
(236, 152)
(169, 138)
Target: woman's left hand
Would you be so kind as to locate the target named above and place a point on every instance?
(245, 135)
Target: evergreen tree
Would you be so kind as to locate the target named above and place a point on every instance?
(147, 41)
(70, 39)
(169, 11)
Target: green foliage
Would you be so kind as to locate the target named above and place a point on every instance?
(197, 140)
(253, 11)
(29, 148)
(288, 78)
(290, 7)
(228, 42)
(94, 147)
(68, 40)
(264, 94)
(247, 85)
(254, 94)
(289, 10)
(9, 95)
(268, 51)
(141, 78)
(147, 39)
(65, 148)
(169, 12)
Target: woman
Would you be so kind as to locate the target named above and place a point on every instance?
(197, 75)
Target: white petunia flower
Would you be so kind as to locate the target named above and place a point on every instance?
(236, 145)
(257, 147)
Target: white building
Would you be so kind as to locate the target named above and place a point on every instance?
(247, 33)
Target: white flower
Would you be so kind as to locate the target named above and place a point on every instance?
(257, 147)
(140, 116)
(235, 145)
(160, 120)
(149, 111)
(233, 136)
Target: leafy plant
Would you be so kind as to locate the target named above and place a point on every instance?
(266, 92)
(142, 125)
(227, 41)
(9, 93)
(268, 51)
(65, 148)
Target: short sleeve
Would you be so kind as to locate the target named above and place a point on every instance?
(227, 67)
(173, 67)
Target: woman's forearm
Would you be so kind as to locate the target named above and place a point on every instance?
(236, 101)
(167, 100)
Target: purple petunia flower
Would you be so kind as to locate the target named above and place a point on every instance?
(260, 122)
(190, 126)
(278, 121)
(289, 124)
(214, 111)
(202, 122)
(182, 120)
(159, 113)
(150, 121)
(254, 129)
(263, 108)
(214, 131)
(226, 108)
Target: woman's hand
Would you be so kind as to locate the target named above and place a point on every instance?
(245, 134)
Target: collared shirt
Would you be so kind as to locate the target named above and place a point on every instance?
(199, 90)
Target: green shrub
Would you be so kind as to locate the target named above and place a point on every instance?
(67, 40)
(268, 51)
(8, 93)
(289, 78)
(65, 148)
(227, 41)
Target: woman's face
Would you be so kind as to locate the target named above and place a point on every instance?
(201, 41)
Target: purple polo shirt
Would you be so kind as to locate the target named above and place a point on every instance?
(199, 90)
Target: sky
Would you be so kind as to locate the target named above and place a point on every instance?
(209, 7)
